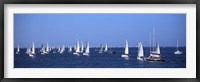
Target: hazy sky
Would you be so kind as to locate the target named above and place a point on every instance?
(113, 29)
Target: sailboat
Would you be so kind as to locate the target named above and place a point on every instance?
(87, 50)
(32, 51)
(43, 50)
(177, 51)
(77, 48)
(82, 47)
(106, 48)
(28, 51)
(140, 51)
(126, 51)
(70, 49)
(101, 49)
(62, 49)
(155, 54)
(18, 49)
(59, 48)
(54, 49)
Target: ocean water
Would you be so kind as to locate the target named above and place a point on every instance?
(96, 60)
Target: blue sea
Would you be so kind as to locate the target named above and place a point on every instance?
(96, 60)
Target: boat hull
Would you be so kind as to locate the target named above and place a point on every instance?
(154, 60)
(178, 52)
(86, 54)
(75, 53)
(124, 55)
(17, 52)
(31, 55)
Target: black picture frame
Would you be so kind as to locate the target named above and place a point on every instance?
(2, 2)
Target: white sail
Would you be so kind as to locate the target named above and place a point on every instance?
(59, 48)
(62, 49)
(101, 49)
(43, 50)
(70, 48)
(157, 48)
(140, 50)
(87, 48)
(17, 52)
(126, 48)
(77, 46)
(27, 51)
(47, 48)
(81, 46)
(18, 48)
(126, 51)
(33, 49)
(106, 48)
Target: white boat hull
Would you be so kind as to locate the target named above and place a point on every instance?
(86, 54)
(178, 52)
(75, 53)
(124, 55)
(17, 52)
(154, 58)
(31, 55)
(100, 52)
(44, 53)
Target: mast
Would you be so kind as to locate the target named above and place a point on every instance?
(153, 39)
(177, 45)
(150, 43)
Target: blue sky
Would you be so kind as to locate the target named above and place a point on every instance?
(113, 29)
